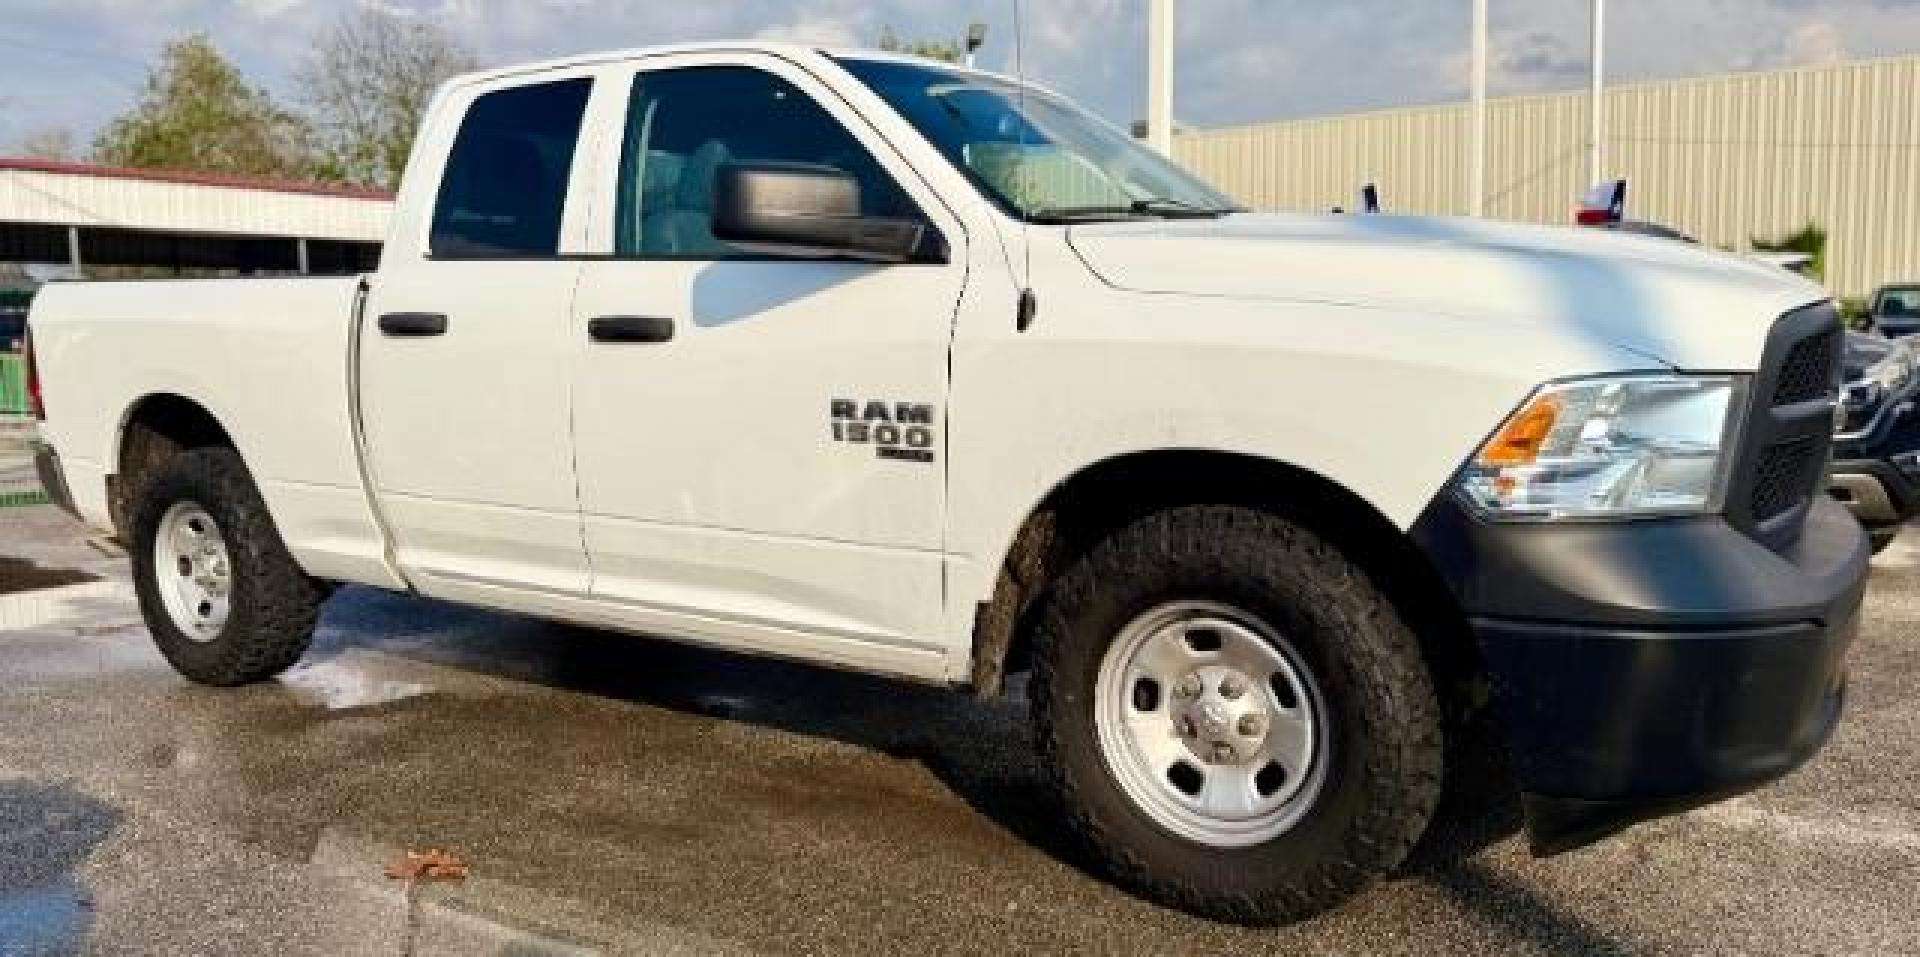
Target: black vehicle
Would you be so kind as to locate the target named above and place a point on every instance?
(1876, 446)
(1896, 310)
(13, 328)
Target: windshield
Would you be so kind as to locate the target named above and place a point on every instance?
(1038, 156)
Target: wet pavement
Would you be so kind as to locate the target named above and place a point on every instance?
(622, 795)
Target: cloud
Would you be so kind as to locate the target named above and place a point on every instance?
(74, 63)
(1538, 60)
(824, 30)
(1809, 44)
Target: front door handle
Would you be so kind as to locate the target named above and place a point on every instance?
(413, 324)
(630, 329)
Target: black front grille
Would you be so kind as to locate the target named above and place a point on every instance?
(1789, 431)
(1785, 472)
(1807, 373)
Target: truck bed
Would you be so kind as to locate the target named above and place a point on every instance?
(268, 358)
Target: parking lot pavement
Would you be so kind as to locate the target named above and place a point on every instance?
(623, 795)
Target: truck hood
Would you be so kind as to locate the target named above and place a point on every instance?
(1680, 304)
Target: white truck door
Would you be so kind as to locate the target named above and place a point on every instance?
(760, 438)
(466, 354)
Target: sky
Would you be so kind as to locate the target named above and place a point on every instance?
(73, 64)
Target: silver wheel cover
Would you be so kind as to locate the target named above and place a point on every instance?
(192, 571)
(1211, 724)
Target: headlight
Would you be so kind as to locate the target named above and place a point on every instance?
(1626, 446)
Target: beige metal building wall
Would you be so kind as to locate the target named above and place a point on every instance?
(1724, 158)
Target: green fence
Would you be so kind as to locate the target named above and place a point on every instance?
(13, 386)
(12, 496)
(18, 483)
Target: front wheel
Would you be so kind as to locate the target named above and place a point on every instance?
(226, 603)
(1234, 717)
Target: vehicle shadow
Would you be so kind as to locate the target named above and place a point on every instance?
(1528, 920)
(980, 750)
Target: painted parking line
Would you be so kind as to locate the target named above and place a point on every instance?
(98, 604)
(1850, 829)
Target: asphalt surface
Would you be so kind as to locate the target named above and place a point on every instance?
(621, 795)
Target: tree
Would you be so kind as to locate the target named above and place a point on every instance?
(368, 83)
(1810, 240)
(951, 51)
(198, 112)
(49, 144)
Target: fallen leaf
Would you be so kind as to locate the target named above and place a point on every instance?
(433, 864)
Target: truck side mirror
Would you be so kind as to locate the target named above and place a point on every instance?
(805, 210)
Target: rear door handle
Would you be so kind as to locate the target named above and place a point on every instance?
(413, 324)
(630, 329)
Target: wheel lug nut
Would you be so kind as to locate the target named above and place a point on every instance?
(1222, 753)
(1250, 725)
(1185, 727)
(1189, 687)
(1232, 687)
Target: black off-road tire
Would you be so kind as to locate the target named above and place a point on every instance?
(273, 604)
(1385, 756)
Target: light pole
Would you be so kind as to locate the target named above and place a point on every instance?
(1160, 76)
(1477, 162)
(1596, 142)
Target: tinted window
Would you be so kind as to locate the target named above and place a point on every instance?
(683, 125)
(505, 186)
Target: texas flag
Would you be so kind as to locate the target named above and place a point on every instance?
(1605, 204)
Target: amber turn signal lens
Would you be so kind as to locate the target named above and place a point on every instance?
(1519, 441)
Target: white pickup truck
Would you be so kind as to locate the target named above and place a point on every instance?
(889, 365)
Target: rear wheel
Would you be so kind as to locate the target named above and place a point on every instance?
(1235, 719)
(226, 603)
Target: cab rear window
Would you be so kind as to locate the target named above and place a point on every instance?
(505, 187)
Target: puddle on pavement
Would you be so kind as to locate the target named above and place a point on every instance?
(19, 574)
(46, 832)
(44, 920)
(338, 685)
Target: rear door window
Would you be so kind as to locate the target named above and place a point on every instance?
(504, 192)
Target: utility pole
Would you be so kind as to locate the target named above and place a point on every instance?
(1477, 163)
(1597, 137)
(1160, 76)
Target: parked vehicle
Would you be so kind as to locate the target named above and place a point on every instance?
(1876, 450)
(895, 366)
(13, 329)
(1896, 310)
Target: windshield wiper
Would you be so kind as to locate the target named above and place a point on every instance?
(1158, 207)
(1171, 208)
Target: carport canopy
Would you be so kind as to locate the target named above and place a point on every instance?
(82, 215)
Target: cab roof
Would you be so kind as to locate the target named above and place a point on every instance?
(791, 51)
